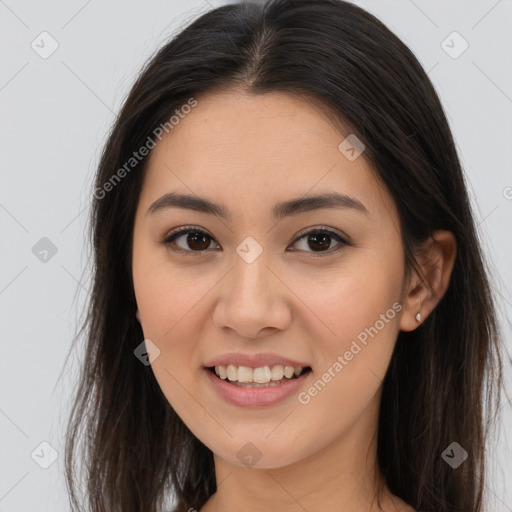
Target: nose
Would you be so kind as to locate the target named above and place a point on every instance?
(252, 299)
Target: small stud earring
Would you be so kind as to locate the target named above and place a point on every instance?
(418, 317)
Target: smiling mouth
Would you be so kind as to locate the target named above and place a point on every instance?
(252, 384)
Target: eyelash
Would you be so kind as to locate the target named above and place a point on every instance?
(171, 237)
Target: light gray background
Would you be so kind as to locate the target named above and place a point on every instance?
(55, 114)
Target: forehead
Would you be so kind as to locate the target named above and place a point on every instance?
(240, 148)
(236, 126)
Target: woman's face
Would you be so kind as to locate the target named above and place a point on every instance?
(254, 283)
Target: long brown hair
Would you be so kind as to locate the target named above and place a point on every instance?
(135, 449)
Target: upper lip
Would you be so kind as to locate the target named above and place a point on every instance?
(253, 360)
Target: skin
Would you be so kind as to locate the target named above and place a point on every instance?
(249, 153)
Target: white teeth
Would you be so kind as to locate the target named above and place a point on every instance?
(260, 375)
(289, 371)
(245, 374)
(231, 372)
(277, 372)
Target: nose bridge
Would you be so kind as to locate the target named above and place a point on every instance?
(251, 275)
(251, 298)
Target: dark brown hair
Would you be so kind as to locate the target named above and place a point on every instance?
(135, 448)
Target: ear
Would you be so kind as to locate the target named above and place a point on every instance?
(436, 259)
(137, 315)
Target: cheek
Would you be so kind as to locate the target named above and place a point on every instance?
(166, 294)
(169, 304)
(169, 311)
(358, 313)
(362, 314)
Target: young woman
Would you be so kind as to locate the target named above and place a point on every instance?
(291, 310)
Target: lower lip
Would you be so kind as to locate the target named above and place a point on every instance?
(254, 397)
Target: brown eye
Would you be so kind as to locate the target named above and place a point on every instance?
(195, 240)
(198, 241)
(319, 240)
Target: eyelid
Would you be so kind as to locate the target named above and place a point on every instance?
(321, 228)
(342, 239)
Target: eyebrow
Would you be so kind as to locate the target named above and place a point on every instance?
(280, 210)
